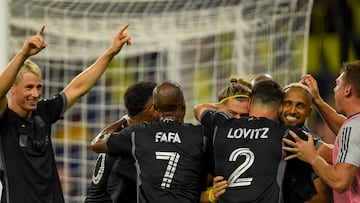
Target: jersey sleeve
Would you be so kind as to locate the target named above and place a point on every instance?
(211, 118)
(52, 109)
(302, 134)
(349, 143)
(205, 118)
(120, 142)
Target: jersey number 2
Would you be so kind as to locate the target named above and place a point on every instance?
(235, 180)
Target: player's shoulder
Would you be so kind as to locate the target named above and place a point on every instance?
(353, 121)
(262, 121)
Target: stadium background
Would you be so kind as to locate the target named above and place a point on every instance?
(198, 44)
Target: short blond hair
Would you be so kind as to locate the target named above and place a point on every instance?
(298, 85)
(28, 67)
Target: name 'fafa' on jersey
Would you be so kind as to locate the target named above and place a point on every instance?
(167, 137)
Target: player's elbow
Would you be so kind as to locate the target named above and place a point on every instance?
(341, 186)
(99, 147)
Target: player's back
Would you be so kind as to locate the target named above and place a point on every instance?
(171, 157)
(248, 154)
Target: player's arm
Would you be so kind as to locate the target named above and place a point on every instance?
(116, 126)
(83, 82)
(338, 177)
(200, 108)
(331, 117)
(32, 45)
(98, 144)
(325, 151)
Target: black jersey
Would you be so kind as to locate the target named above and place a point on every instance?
(298, 180)
(29, 171)
(170, 157)
(248, 153)
(113, 179)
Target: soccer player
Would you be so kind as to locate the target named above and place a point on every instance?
(171, 156)
(300, 182)
(343, 176)
(233, 101)
(114, 177)
(247, 151)
(333, 119)
(28, 168)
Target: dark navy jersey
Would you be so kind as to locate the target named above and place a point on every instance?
(248, 154)
(170, 158)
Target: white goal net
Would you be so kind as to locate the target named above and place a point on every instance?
(198, 43)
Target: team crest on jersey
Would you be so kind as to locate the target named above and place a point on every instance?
(167, 137)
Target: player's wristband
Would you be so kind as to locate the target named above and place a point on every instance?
(211, 195)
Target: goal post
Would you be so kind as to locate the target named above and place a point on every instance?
(198, 43)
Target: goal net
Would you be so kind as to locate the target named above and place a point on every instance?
(197, 43)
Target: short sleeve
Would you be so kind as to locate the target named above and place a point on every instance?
(120, 142)
(349, 143)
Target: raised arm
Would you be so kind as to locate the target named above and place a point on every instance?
(331, 117)
(200, 108)
(32, 45)
(83, 82)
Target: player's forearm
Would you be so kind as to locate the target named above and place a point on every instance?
(200, 108)
(83, 82)
(8, 75)
(99, 143)
(331, 117)
(207, 196)
(328, 174)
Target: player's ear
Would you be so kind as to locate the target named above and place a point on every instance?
(348, 90)
(249, 104)
(310, 110)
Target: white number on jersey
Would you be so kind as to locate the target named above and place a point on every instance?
(234, 179)
(173, 159)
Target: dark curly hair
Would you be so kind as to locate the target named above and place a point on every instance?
(137, 96)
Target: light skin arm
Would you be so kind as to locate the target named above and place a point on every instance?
(200, 108)
(331, 117)
(83, 82)
(339, 176)
(32, 45)
(325, 151)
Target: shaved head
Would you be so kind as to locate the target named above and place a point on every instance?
(261, 77)
(168, 96)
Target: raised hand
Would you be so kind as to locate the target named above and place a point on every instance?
(310, 81)
(34, 44)
(120, 39)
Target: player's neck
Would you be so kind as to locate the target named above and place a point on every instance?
(20, 111)
(266, 114)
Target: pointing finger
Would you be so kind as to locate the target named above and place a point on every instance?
(123, 28)
(40, 32)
